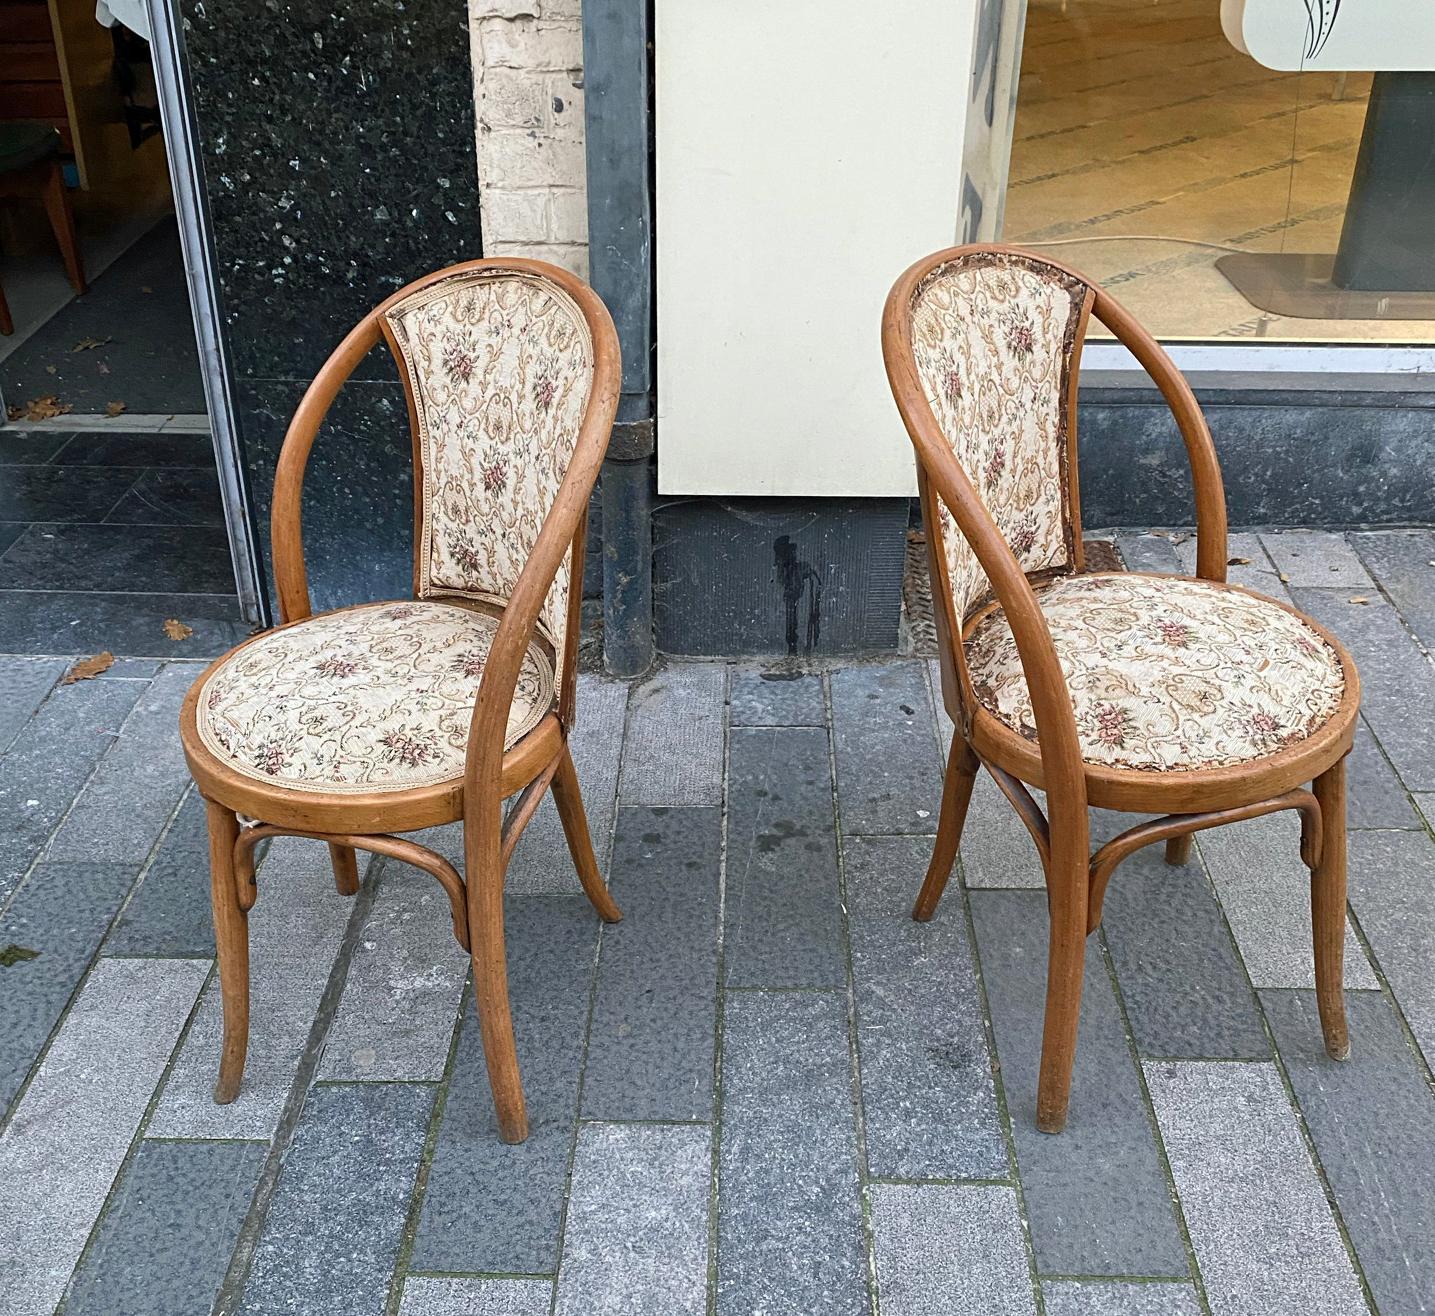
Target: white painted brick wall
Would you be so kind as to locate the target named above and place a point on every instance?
(528, 88)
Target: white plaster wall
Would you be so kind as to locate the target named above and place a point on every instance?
(528, 89)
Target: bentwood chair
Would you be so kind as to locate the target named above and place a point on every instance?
(1183, 697)
(353, 725)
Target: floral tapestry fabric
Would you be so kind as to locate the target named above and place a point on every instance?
(368, 699)
(500, 363)
(993, 335)
(1166, 674)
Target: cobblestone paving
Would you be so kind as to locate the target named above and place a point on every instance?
(767, 1090)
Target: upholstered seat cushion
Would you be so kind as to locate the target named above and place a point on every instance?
(368, 699)
(1166, 674)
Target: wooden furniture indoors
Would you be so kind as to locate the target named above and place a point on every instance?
(351, 726)
(1183, 697)
(30, 168)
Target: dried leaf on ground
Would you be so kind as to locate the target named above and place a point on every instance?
(88, 668)
(13, 954)
(114, 408)
(89, 344)
(1238, 562)
(45, 408)
(1359, 598)
(177, 630)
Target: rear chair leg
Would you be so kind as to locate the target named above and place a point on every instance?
(346, 869)
(1327, 910)
(575, 827)
(1178, 850)
(231, 942)
(962, 767)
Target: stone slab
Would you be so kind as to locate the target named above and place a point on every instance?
(675, 737)
(997, 850)
(776, 698)
(884, 874)
(432, 1296)
(1146, 551)
(1403, 561)
(24, 683)
(1316, 559)
(1257, 572)
(1374, 795)
(1086, 1297)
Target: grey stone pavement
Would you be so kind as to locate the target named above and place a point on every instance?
(766, 1091)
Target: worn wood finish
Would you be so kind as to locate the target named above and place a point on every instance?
(1076, 880)
(365, 820)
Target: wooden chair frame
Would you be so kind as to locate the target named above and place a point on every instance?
(367, 821)
(1187, 801)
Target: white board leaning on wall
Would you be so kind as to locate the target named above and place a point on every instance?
(1333, 35)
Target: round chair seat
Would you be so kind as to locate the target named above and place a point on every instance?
(1166, 674)
(374, 698)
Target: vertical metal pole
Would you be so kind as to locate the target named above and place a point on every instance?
(192, 214)
(617, 88)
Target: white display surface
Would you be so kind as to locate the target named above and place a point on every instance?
(807, 153)
(1340, 35)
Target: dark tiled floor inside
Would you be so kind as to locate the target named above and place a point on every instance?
(104, 536)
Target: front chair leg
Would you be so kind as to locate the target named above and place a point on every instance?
(484, 880)
(231, 943)
(569, 800)
(346, 869)
(962, 767)
(1327, 910)
(1066, 884)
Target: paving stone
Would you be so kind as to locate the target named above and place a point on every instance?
(425, 1296)
(1265, 1240)
(331, 1236)
(650, 1042)
(1086, 1297)
(125, 805)
(1392, 890)
(675, 737)
(169, 913)
(1397, 681)
(295, 929)
(48, 763)
(1372, 1120)
(776, 699)
(789, 1220)
(943, 725)
(1375, 797)
(928, 1098)
(636, 1239)
(889, 779)
(1264, 888)
(950, 1250)
(140, 669)
(1425, 802)
(60, 1153)
(885, 873)
(60, 914)
(1258, 572)
(997, 850)
(491, 1208)
(1148, 552)
(1185, 990)
(541, 862)
(24, 683)
(1403, 561)
(164, 1244)
(782, 908)
(1316, 559)
(395, 1019)
(1096, 1197)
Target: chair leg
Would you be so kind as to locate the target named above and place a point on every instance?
(1327, 910)
(231, 941)
(346, 869)
(1066, 887)
(62, 221)
(484, 880)
(569, 800)
(962, 767)
(1178, 850)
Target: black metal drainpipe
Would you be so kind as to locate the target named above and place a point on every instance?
(620, 253)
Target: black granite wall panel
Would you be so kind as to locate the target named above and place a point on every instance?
(338, 146)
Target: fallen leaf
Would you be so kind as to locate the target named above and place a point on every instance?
(114, 408)
(89, 668)
(13, 954)
(45, 408)
(51, 370)
(1238, 562)
(177, 630)
(89, 344)
(1358, 598)
(1285, 579)
(15, 412)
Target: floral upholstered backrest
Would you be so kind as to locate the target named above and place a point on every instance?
(500, 366)
(994, 336)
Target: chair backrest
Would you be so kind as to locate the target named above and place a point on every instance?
(499, 364)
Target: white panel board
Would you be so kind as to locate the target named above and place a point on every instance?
(1333, 34)
(807, 153)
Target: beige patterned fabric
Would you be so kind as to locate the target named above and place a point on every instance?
(501, 365)
(369, 699)
(993, 335)
(1166, 674)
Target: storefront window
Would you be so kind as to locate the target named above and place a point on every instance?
(1209, 192)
